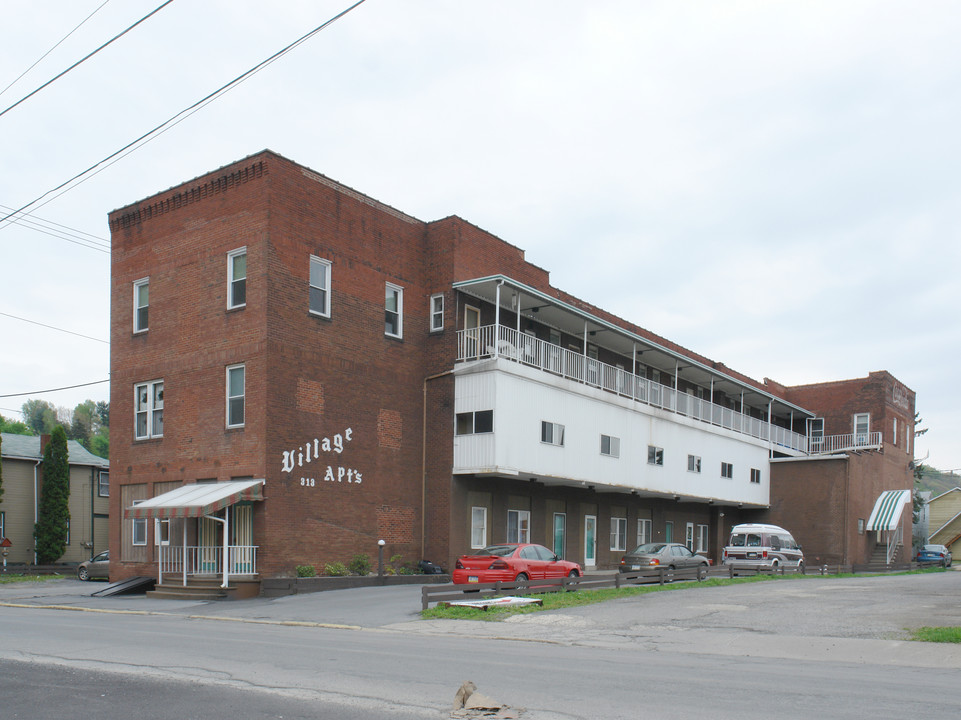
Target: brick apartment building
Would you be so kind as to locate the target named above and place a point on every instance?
(299, 371)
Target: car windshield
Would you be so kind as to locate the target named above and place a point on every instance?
(499, 550)
(933, 548)
(648, 549)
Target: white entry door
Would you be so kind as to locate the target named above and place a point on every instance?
(590, 540)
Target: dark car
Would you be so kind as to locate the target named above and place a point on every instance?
(672, 556)
(512, 561)
(96, 568)
(934, 554)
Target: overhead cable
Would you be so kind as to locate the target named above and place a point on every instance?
(69, 332)
(68, 387)
(168, 124)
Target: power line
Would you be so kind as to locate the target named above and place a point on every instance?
(87, 57)
(69, 332)
(40, 59)
(62, 232)
(170, 123)
(68, 387)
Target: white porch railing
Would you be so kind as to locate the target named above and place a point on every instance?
(851, 441)
(207, 560)
(486, 342)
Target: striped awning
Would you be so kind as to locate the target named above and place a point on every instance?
(197, 499)
(887, 510)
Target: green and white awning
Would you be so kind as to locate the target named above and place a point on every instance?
(887, 510)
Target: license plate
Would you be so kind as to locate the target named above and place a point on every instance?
(635, 567)
(472, 578)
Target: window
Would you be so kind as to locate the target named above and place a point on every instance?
(139, 535)
(860, 526)
(755, 475)
(149, 409)
(319, 292)
(610, 446)
(161, 531)
(862, 426)
(552, 433)
(237, 278)
(693, 463)
(655, 455)
(702, 543)
(689, 536)
(103, 485)
(816, 434)
(394, 311)
(518, 526)
(141, 304)
(727, 470)
(436, 313)
(619, 534)
(643, 532)
(474, 423)
(236, 377)
(560, 533)
(895, 433)
(478, 528)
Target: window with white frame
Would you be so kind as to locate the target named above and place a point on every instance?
(474, 423)
(727, 470)
(702, 538)
(319, 292)
(619, 534)
(655, 455)
(394, 311)
(436, 312)
(237, 278)
(236, 395)
(862, 426)
(149, 410)
(694, 463)
(103, 484)
(689, 536)
(895, 433)
(478, 528)
(552, 433)
(161, 531)
(141, 305)
(518, 526)
(139, 529)
(610, 446)
(643, 531)
(755, 475)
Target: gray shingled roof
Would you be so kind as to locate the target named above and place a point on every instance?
(28, 446)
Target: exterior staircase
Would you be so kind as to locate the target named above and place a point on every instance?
(880, 554)
(202, 588)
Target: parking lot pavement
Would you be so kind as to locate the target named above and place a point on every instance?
(861, 619)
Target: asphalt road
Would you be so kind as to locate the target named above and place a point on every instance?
(791, 648)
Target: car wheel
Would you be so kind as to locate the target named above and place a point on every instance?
(573, 573)
(521, 577)
(775, 566)
(702, 573)
(83, 574)
(944, 563)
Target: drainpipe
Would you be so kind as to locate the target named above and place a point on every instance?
(770, 431)
(36, 506)
(423, 466)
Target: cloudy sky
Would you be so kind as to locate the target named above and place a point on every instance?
(775, 185)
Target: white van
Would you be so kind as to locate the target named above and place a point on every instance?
(770, 546)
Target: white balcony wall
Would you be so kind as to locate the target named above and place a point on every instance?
(522, 398)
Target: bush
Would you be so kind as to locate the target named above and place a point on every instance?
(337, 569)
(306, 571)
(359, 564)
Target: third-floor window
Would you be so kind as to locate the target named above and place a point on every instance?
(237, 278)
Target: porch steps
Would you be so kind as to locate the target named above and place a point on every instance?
(880, 554)
(198, 589)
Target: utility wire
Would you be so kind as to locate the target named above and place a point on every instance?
(69, 332)
(61, 232)
(171, 122)
(68, 387)
(40, 59)
(87, 57)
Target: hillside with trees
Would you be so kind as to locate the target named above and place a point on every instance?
(88, 423)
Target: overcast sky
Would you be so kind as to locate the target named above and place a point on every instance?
(774, 185)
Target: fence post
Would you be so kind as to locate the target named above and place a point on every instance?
(617, 581)
(423, 597)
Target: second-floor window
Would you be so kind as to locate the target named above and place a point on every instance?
(655, 455)
(394, 311)
(610, 446)
(319, 302)
(862, 426)
(236, 395)
(727, 470)
(103, 484)
(149, 409)
(436, 313)
(474, 423)
(693, 463)
(552, 433)
(237, 278)
(141, 304)
(755, 475)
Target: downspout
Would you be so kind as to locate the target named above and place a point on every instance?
(93, 477)
(770, 431)
(423, 466)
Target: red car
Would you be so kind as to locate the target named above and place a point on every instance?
(512, 561)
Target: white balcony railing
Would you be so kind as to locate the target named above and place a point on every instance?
(486, 342)
(207, 560)
(838, 443)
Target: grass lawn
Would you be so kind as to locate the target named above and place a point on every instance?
(937, 634)
(13, 578)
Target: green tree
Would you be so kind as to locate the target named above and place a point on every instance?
(50, 532)
(14, 427)
(40, 416)
(100, 443)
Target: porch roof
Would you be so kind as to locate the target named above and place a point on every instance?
(197, 499)
(887, 510)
